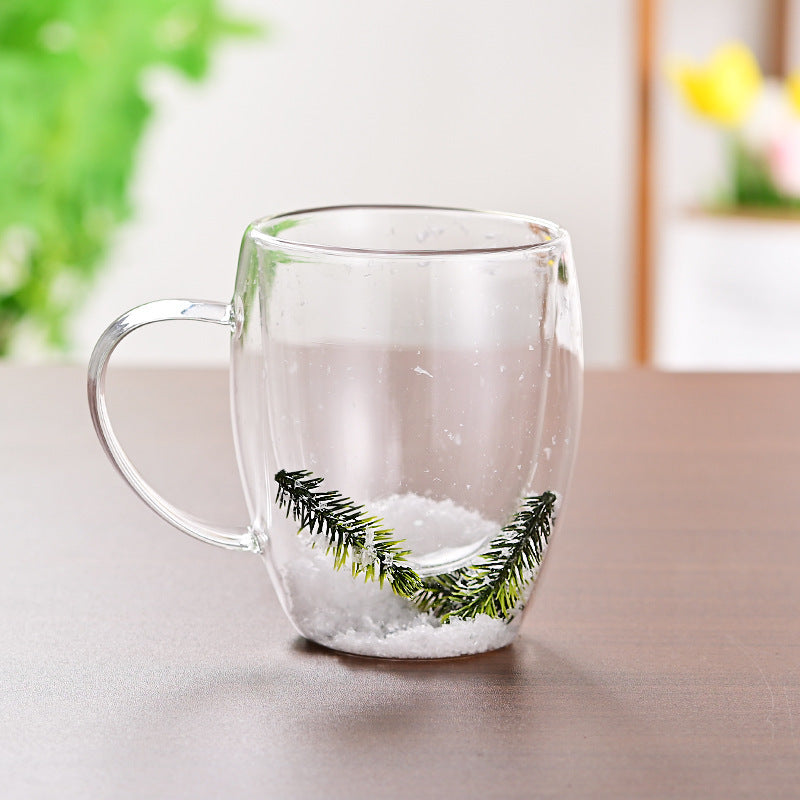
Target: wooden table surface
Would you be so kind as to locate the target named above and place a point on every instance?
(661, 657)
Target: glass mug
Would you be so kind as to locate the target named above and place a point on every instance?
(406, 390)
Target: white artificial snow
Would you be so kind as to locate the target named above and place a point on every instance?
(334, 609)
(441, 534)
(422, 640)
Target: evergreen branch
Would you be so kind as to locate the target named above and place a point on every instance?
(349, 532)
(495, 586)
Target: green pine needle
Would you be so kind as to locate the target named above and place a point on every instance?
(494, 586)
(349, 532)
(497, 583)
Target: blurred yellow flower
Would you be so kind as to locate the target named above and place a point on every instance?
(725, 88)
(793, 90)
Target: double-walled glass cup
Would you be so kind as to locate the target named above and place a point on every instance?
(406, 387)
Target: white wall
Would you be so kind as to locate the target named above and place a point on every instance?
(513, 105)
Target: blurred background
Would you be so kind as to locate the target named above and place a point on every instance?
(138, 140)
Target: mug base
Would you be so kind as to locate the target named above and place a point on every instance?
(308, 646)
(422, 640)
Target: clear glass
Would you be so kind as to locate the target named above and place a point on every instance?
(425, 363)
(406, 385)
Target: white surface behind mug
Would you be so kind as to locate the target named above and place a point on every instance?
(439, 103)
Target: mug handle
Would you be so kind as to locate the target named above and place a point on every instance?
(158, 311)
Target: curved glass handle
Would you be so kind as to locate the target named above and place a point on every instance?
(157, 311)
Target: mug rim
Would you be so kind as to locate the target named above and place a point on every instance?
(555, 233)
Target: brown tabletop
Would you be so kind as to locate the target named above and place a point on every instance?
(661, 657)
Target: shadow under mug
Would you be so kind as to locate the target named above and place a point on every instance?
(406, 387)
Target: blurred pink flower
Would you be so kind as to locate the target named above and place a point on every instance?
(783, 160)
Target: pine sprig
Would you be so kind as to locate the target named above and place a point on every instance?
(496, 584)
(349, 532)
(493, 586)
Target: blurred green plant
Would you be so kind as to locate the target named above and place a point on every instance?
(72, 113)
